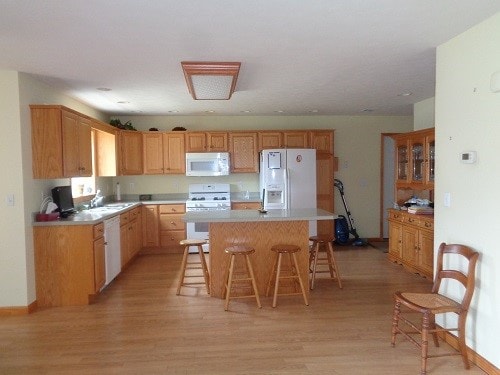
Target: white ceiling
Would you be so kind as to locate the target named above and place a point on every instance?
(326, 57)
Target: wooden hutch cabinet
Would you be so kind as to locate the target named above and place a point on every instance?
(411, 236)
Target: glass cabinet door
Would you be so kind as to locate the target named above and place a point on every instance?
(402, 160)
(417, 154)
(431, 159)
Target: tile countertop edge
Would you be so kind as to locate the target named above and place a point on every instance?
(255, 215)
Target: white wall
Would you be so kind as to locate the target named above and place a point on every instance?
(13, 248)
(17, 91)
(423, 114)
(468, 118)
(357, 144)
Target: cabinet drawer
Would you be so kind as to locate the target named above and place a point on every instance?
(98, 230)
(133, 213)
(171, 238)
(245, 206)
(172, 209)
(427, 223)
(410, 219)
(396, 215)
(172, 222)
(124, 218)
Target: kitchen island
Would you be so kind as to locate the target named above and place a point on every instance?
(261, 231)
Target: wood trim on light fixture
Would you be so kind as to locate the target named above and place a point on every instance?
(192, 68)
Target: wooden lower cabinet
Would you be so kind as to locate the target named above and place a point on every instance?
(411, 241)
(69, 264)
(245, 205)
(172, 228)
(130, 234)
(99, 257)
(150, 226)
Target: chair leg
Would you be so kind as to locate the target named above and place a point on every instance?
(254, 284)
(432, 325)
(334, 263)
(204, 268)
(183, 269)
(424, 343)
(229, 282)
(395, 322)
(461, 339)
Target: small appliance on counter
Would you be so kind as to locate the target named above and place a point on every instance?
(63, 198)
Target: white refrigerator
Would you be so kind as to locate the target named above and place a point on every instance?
(288, 180)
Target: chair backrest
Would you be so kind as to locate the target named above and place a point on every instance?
(467, 280)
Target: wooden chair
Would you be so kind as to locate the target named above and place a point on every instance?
(245, 251)
(196, 265)
(315, 260)
(293, 272)
(433, 303)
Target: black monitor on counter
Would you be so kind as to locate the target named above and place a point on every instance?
(63, 198)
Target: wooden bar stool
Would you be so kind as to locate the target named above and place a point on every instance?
(329, 260)
(233, 251)
(199, 265)
(293, 274)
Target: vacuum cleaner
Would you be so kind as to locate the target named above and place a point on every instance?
(345, 227)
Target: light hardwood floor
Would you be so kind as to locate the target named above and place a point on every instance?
(139, 326)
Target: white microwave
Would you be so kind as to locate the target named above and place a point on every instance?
(207, 163)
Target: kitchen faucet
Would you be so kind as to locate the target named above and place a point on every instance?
(97, 200)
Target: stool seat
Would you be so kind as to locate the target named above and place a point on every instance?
(195, 265)
(192, 242)
(322, 239)
(245, 251)
(239, 250)
(285, 248)
(293, 274)
(329, 260)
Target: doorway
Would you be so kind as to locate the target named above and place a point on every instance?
(386, 181)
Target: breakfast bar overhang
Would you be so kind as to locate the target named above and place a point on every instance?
(260, 231)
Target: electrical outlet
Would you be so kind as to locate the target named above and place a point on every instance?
(131, 186)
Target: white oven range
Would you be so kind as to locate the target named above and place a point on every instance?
(206, 197)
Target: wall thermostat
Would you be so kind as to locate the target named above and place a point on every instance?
(468, 157)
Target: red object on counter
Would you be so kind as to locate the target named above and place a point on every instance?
(47, 217)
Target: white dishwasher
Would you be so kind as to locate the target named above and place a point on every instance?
(112, 248)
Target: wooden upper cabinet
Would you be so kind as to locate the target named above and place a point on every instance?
(164, 153)
(105, 150)
(270, 140)
(244, 156)
(46, 142)
(206, 142)
(174, 155)
(61, 142)
(77, 145)
(131, 154)
(322, 141)
(153, 152)
(217, 142)
(196, 142)
(283, 139)
(415, 159)
(296, 139)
